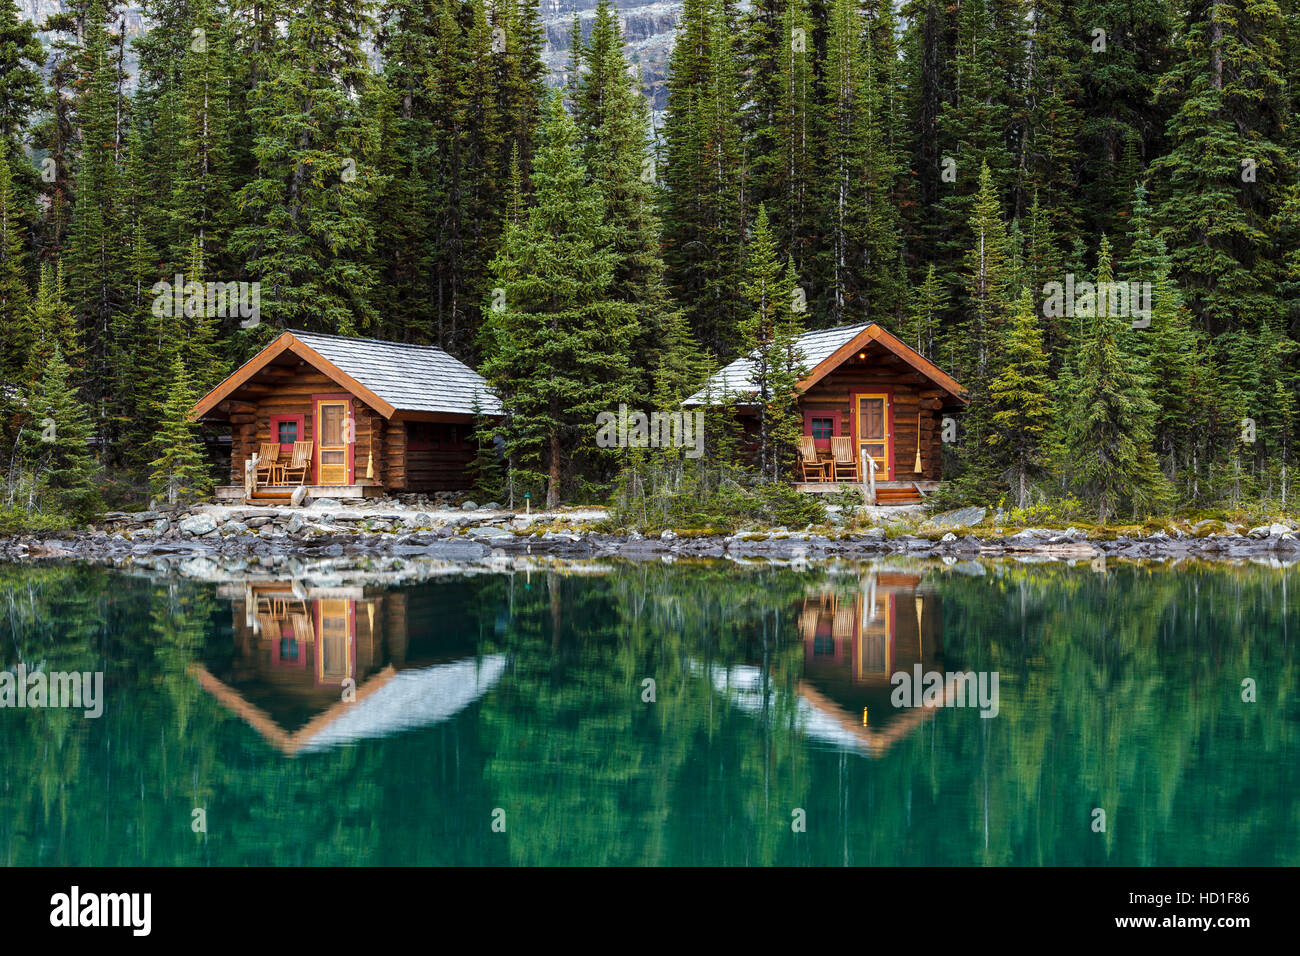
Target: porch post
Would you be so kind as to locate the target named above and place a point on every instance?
(868, 476)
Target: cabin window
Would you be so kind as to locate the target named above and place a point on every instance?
(427, 436)
(822, 426)
(422, 436)
(287, 429)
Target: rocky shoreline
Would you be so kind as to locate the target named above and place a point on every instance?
(472, 534)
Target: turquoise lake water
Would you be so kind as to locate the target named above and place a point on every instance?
(693, 713)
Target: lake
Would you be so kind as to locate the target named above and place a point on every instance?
(653, 713)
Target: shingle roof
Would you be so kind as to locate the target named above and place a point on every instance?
(734, 380)
(411, 378)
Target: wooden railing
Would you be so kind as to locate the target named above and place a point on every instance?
(250, 475)
(869, 476)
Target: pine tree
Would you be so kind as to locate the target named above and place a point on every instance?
(770, 331)
(15, 300)
(1226, 163)
(201, 191)
(180, 472)
(1020, 402)
(22, 93)
(1168, 346)
(987, 280)
(308, 231)
(94, 263)
(557, 347)
(703, 200)
(1107, 442)
(613, 128)
(55, 443)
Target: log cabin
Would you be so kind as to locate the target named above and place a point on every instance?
(313, 668)
(863, 383)
(382, 417)
(857, 634)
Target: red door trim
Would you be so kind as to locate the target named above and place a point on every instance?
(316, 399)
(888, 392)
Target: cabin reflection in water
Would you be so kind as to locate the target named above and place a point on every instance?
(316, 667)
(856, 636)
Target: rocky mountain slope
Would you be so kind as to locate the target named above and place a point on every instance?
(648, 25)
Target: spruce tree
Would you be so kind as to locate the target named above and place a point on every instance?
(1020, 402)
(1226, 164)
(22, 93)
(1107, 451)
(1168, 346)
(408, 159)
(770, 330)
(556, 346)
(15, 299)
(95, 258)
(987, 278)
(703, 209)
(201, 192)
(179, 473)
(308, 232)
(614, 130)
(55, 443)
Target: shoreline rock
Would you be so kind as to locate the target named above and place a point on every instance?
(456, 536)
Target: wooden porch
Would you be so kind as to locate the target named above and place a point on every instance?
(272, 493)
(887, 492)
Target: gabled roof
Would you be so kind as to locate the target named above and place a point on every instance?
(391, 377)
(389, 702)
(823, 352)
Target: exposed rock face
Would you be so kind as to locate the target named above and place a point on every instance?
(38, 11)
(649, 27)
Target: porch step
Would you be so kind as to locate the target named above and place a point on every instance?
(897, 496)
(271, 495)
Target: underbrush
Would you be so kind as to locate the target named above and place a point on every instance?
(650, 500)
(19, 521)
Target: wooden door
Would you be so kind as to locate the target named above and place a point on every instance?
(334, 432)
(336, 640)
(875, 439)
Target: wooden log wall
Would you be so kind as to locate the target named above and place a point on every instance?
(280, 390)
(913, 394)
(395, 466)
(444, 465)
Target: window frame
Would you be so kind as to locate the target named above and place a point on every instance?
(836, 420)
(300, 421)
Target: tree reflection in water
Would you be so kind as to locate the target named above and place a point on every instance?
(525, 691)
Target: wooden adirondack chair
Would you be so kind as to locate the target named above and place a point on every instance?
(299, 468)
(844, 465)
(302, 629)
(268, 453)
(269, 625)
(812, 467)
